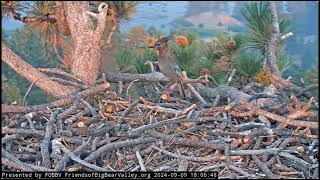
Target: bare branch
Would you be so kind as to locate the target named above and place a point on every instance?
(32, 74)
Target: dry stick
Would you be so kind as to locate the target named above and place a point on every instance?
(295, 159)
(281, 119)
(70, 83)
(185, 141)
(23, 132)
(92, 110)
(31, 85)
(129, 108)
(7, 163)
(126, 112)
(255, 152)
(262, 165)
(196, 159)
(188, 109)
(140, 160)
(192, 89)
(61, 164)
(182, 165)
(207, 168)
(29, 117)
(46, 141)
(56, 150)
(24, 166)
(76, 116)
(315, 174)
(216, 100)
(127, 91)
(239, 170)
(58, 103)
(175, 120)
(112, 30)
(116, 145)
(306, 89)
(75, 158)
(9, 138)
(60, 72)
(94, 146)
(120, 88)
(160, 109)
(151, 65)
(227, 153)
(231, 76)
(143, 128)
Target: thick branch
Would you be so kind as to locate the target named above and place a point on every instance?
(32, 74)
(223, 91)
(151, 77)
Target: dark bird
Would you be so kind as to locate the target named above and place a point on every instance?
(168, 64)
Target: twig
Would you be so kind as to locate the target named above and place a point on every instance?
(120, 88)
(239, 170)
(76, 116)
(196, 159)
(70, 83)
(260, 164)
(276, 117)
(295, 159)
(140, 160)
(75, 158)
(18, 163)
(59, 103)
(231, 76)
(289, 34)
(116, 145)
(306, 89)
(65, 159)
(192, 89)
(92, 110)
(151, 65)
(127, 91)
(31, 85)
(154, 125)
(60, 72)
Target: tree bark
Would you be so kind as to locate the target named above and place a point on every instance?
(273, 43)
(32, 74)
(87, 55)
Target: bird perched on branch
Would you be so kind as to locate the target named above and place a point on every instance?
(168, 64)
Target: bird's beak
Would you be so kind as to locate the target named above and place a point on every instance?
(151, 46)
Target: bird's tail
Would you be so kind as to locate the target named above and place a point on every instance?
(181, 89)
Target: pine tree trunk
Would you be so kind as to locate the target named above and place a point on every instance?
(87, 54)
(273, 43)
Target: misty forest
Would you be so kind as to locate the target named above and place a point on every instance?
(132, 86)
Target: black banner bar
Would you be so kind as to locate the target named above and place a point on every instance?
(109, 175)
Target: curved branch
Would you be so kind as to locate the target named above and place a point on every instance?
(59, 72)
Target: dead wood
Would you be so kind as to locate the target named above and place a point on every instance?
(243, 137)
